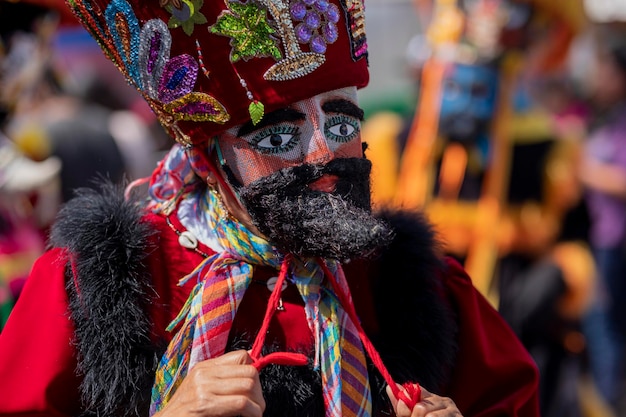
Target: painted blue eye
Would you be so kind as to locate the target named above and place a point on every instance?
(341, 128)
(276, 139)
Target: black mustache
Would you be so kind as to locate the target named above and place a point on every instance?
(351, 173)
(306, 222)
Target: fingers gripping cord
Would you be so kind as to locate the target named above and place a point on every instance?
(411, 394)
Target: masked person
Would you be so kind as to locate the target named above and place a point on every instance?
(255, 279)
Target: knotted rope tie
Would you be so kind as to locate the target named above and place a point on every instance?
(412, 392)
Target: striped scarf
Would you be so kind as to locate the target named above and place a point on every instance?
(205, 320)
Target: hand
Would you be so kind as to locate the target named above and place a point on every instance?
(431, 405)
(225, 386)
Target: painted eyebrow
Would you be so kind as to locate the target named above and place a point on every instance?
(278, 116)
(343, 106)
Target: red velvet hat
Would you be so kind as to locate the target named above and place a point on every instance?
(207, 65)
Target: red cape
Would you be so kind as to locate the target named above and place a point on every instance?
(493, 375)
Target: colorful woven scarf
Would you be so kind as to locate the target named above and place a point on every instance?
(205, 320)
(173, 179)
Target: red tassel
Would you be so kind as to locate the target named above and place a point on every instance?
(413, 395)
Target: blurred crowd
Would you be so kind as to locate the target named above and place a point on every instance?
(67, 120)
(515, 150)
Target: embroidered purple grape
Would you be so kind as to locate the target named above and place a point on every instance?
(318, 23)
(298, 10)
(321, 5)
(312, 19)
(318, 44)
(329, 30)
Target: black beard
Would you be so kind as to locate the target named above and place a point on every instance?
(298, 220)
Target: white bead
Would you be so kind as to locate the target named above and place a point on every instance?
(188, 240)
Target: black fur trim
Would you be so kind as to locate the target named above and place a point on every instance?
(417, 327)
(117, 359)
(108, 242)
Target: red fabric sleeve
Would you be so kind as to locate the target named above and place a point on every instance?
(494, 374)
(37, 365)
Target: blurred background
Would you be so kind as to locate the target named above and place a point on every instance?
(68, 119)
(503, 121)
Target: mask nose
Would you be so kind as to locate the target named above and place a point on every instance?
(318, 151)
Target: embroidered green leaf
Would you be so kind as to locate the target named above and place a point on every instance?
(251, 34)
(256, 110)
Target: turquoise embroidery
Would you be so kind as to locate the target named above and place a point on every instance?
(124, 28)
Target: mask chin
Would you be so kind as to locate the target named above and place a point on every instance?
(296, 219)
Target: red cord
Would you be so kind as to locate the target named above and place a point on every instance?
(413, 391)
(255, 353)
(279, 358)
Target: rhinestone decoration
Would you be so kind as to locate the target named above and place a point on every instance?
(298, 10)
(154, 51)
(252, 36)
(256, 109)
(92, 17)
(178, 78)
(315, 15)
(296, 34)
(296, 62)
(169, 81)
(304, 33)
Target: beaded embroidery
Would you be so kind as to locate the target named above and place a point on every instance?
(319, 23)
(256, 109)
(247, 25)
(205, 71)
(293, 35)
(250, 33)
(143, 54)
(356, 27)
